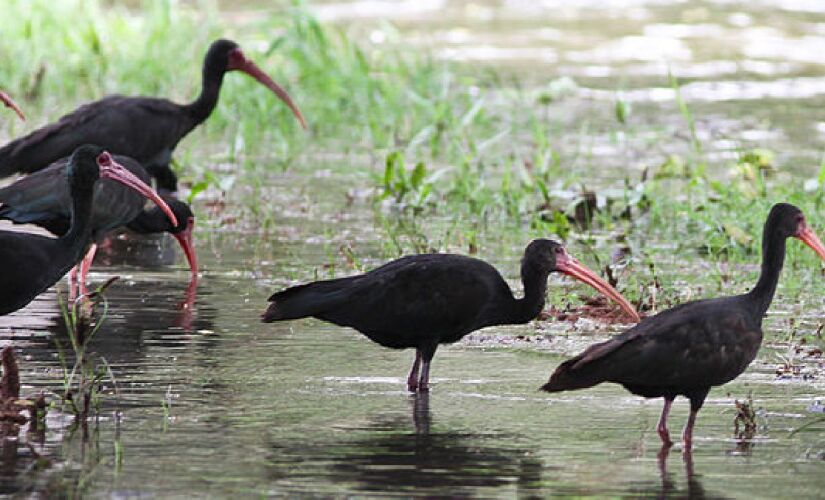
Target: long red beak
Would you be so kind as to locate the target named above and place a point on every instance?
(187, 307)
(9, 102)
(238, 61)
(185, 239)
(808, 237)
(110, 169)
(568, 265)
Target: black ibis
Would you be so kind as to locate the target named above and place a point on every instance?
(145, 128)
(9, 103)
(43, 199)
(692, 347)
(421, 301)
(32, 263)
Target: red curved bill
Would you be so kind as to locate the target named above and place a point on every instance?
(9, 102)
(808, 236)
(239, 61)
(110, 169)
(568, 265)
(186, 241)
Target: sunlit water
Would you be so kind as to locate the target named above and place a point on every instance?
(212, 402)
(752, 72)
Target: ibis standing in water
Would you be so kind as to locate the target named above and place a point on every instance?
(421, 301)
(32, 263)
(43, 199)
(692, 347)
(9, 103)
(145, 128)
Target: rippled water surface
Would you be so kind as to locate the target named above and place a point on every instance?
(212, 402)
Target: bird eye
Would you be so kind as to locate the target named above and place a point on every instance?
(559, 250)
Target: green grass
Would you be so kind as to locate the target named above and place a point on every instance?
(435, 140)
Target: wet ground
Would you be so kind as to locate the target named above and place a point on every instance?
(212, 401)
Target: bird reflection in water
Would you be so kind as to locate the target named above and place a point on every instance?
(385, 457)
(421, 412)
(669, 489)
(151, 252)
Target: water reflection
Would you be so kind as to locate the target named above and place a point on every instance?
(141, 313)
(150, 251)
(387, 456)
(668, 486)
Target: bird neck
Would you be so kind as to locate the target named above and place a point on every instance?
(535, 290)
(79, 235)
(773, 258)
(202, 107)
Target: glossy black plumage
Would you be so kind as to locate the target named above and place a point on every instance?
(153, 220)
(145, 128)
(32, 263)
(690, 348)
(421, 301)
(43, 198)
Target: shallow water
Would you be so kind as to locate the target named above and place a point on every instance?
(751, 72)
(306, 407)
(212, 402)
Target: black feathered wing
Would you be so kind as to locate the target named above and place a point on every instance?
(699, 344)
(147, 129)
(43, 198)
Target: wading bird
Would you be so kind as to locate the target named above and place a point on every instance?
(43, 199)
(145, 128)
(421, 301)
(9, 103)
(692, 347)
(32, 263)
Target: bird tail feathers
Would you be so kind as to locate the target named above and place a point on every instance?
(305, 300)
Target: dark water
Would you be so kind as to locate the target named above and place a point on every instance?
(211, 402)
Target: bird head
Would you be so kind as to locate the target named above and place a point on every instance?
(83, 170)
(225, 55)
(546, 256)
(787, 220)
(88, 163)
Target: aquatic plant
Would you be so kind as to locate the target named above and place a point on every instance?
(744, 422)
(83, 383)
